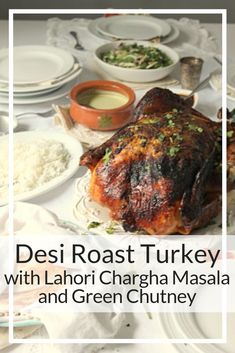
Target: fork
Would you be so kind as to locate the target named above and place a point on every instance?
(202, 84)
(78, 44)
(46, 114)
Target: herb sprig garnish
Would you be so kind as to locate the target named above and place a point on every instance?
(107, 155)
(173, 150)
(193, 127)
(230, 133)
(161, 137)
(93, 225)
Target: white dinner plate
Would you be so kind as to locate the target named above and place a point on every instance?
(38, 88)
(137, 27)
(92, 27)
(173, 35)
(72, 145)
(202, 326)
(41, 98)
(29, 94)
(35, 63)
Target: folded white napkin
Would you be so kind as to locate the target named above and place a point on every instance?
(33, 220)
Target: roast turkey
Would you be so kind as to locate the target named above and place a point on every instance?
(155, 174)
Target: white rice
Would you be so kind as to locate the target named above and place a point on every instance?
(35, 163)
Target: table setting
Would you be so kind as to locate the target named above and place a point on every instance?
(96, 102)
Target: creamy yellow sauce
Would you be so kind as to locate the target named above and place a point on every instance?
(101, 99)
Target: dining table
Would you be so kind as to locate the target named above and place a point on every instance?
(59, 200)
(28, 32)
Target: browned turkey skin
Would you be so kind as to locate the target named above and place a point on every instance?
(153, 173)
(231, 155)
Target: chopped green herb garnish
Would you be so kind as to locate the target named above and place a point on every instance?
(93, 225)
(173, 150)
(121, 138)
(168, 116)
(175, 110)
(230, 133)
(110, 229)
(161, 137)
(149, 121)
(193, 127)
(171, 123)
(107, 155)
(177, 137)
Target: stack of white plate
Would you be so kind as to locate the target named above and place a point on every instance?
(134, 27)
(41, 73)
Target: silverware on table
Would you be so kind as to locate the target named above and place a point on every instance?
(4, 129)
(217, 60)
(77, 44)
(45, 114)
(202, 84)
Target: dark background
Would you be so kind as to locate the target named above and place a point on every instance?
(5, 5)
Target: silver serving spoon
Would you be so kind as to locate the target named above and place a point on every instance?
(202, 84)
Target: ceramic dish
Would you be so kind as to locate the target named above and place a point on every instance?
(184, 93)
(41, 98)
(35, 63)
(136, 75)
(93, 29)
(28, 94)
(102, 117)
(93, 138)
(71, 144)
(173, 35)
(50, 86)
(136, 27)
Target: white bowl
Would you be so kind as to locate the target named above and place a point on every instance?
(136, 75)
(185, 92)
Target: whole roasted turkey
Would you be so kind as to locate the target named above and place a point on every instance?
(159, 174)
